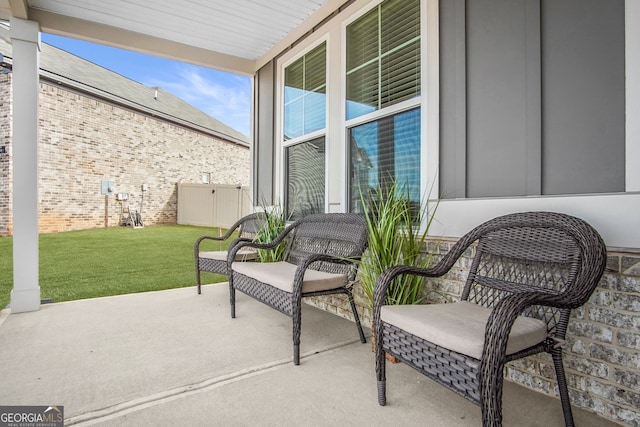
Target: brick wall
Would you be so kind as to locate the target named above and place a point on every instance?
(602, 354)
(85, 140)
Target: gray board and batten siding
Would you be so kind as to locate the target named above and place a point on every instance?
(532, 99)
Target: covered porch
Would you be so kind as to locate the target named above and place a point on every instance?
(177, 358)
(492, 133)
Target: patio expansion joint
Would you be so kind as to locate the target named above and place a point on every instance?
(4, 314)
(145, 402)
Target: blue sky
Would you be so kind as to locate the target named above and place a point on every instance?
(224, 96)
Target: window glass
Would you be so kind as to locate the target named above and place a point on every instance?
(305, 94)
(305, 175)
(382, 70)
(384, 150)
(383, 57)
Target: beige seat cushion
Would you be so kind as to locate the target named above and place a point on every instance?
(281, 274)
(460, 326)
(241, 255)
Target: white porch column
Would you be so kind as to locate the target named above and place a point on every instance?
(25, 38)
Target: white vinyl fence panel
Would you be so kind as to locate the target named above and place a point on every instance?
(212, 205)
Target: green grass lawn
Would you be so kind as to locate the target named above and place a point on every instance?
(101, 262)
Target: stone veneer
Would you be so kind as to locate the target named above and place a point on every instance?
(602, 354)
(84, 140)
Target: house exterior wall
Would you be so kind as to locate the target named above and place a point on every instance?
(602, 355)
(84, 140)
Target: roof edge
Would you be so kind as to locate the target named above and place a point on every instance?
(108, 97)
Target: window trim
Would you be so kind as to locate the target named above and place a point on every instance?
(280, 184)
(428, 101)
(632, 95)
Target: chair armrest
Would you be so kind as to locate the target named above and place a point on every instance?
(384, 281)
(233, 244)
(242, 243)
(224, 237)
(306, 263)
(499, 324)
(386, 278)
(203, 238)
(196, 246)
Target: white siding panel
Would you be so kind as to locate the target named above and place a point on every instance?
(615, 216)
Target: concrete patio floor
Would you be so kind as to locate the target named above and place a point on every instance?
(175, 358)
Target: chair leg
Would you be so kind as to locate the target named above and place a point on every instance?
(296, 354)
(355, 316)
(381, 372)
(232, 298)
(556, 354)
(198, 275)
(382, 393)
(297, 326)
(380, 361)
(491, 383)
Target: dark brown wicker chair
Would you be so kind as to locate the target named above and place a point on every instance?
(528, 271)
(216, 261)
(320, 259)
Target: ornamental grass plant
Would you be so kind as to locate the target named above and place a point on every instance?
(398, 230)
(275, 223)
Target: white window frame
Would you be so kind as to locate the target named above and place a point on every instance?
(281, 145)
(428, 101)
(336, 156)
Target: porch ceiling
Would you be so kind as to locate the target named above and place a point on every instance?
(238, 36)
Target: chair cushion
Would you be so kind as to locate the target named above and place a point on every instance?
(241, 255)
(281, 274)
(460, 326)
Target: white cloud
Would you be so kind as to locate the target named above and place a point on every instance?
(224, 96)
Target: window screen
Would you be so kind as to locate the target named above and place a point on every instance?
(305, 170)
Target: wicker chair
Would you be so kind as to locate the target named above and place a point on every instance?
(216, 261)
(528, 271)
(320, 259)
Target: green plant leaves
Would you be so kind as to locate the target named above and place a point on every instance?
(274, 224)
(398, 230)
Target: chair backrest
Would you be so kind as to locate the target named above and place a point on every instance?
(548, 252)
(339, 234)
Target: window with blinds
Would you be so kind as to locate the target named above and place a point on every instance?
(305, 175)
(383, 70)
(305, 84)
(383, 57)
